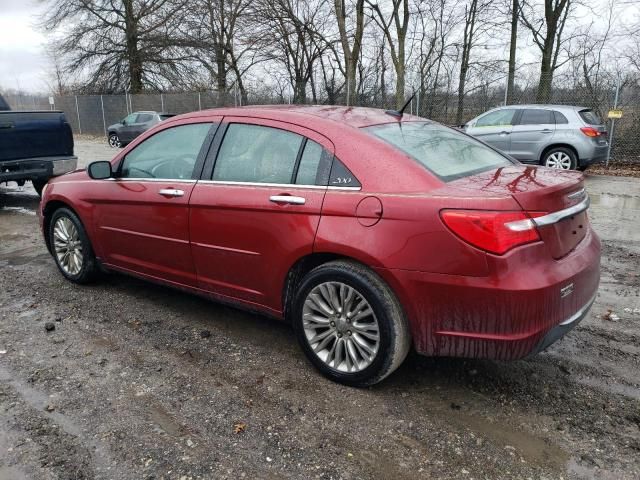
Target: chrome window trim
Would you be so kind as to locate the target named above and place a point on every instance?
(279, 185)
(555, 217)
(142, 179)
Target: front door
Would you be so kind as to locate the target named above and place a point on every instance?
(495, 128)
(258, 211)
(141, 218)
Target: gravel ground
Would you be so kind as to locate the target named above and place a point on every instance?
(139, 381)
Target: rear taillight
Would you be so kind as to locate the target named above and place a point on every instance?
(590, 131)
(495, 232)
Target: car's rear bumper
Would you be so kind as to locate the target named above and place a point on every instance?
(597, 154)
(513, 313)
(559, 331)
(36, 168)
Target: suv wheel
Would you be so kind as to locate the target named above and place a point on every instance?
(350, 324)
(71, 248)
(560, 158)
(114, 141)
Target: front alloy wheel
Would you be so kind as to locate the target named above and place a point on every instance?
(114, 141)
(67, 246)
(71, 247)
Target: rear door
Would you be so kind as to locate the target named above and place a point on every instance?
(143, 123)
(141, 218)
(495, 128)
(533, 131)
(257, 209)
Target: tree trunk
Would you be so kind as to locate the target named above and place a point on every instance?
(543, 95)
(400, 74)
(221, 74)
(133, 54)
(512, 52)
(300, 91)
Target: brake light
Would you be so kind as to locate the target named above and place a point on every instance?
(590, 131)
(494, 232)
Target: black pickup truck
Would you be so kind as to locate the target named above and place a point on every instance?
(34, 146)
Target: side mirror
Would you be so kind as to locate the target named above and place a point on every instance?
(100, 170)
(124, 121)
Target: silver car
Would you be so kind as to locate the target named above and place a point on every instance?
(557, 136)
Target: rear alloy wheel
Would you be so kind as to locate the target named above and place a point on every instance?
(560, 158)
(350, 324)
(71, 247)
(114, 141)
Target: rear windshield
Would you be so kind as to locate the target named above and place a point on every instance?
(446, 153)
(590, 117)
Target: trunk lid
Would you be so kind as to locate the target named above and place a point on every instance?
(539, 189)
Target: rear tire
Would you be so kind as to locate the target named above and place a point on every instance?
(71, 248)
(350, 324)
(560, 158)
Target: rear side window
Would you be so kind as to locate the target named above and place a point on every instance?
(590, 117)
(314, 164)
(165, 116)
(144, 118)
(536, 116)
(560, 118)
(497, 118)
(446, 153)
(257, 154)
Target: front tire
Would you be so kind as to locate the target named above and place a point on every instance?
(71, 248)
(350, 324)
(114, 141)
(560, 158)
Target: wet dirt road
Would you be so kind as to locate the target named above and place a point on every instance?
(140, 381)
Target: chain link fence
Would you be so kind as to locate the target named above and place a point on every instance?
(92, 114)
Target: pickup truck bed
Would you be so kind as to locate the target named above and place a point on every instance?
(35, 146)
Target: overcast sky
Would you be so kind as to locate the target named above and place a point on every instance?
(23, 63)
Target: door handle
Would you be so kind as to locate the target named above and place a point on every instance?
(287, 199)
(6, 125)
(546, 130)
(504, 133)
(171, 192)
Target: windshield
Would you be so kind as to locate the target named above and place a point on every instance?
(446, 153)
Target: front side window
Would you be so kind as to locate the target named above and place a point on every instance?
(536, 116)
(257, 154)
(169, 154)
(129, 119)
(497, 118)
(445, 152)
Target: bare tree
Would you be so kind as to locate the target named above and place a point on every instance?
(399, 17)
(289, 32)
(547, 31)
(118, 44)
(351, 51)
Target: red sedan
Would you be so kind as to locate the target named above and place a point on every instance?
(367, 231)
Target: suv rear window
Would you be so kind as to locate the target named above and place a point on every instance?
(164, 116)
(446, 153)
(590, 117)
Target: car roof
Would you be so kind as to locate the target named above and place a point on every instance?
(547, 105)
(356, 117)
